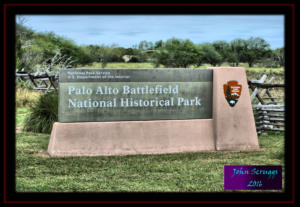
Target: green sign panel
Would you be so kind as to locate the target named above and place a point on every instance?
(89, 95)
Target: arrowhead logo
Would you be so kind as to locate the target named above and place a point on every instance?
(232, 92)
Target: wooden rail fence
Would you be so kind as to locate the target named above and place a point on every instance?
(40, 81)
(269, 112)
(269, 118)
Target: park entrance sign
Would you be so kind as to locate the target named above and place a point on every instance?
(152, 111)
(127, 95)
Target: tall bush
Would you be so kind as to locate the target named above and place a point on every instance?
(43, 114)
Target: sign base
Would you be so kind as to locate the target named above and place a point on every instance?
(232, 127)
(131, 137)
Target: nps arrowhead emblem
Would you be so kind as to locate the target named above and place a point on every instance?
(232, 92)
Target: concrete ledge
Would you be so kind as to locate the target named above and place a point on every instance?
(131, 137)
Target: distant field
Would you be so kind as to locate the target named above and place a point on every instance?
(252, 73)
(150, 65)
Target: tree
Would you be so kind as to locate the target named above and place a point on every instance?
(278, 56)
(236, 51)
(145, 45)
(23, 42)
(176, 53)
(223, 48)
(103, 55)
(275, 60)
(255, 49)
(93, 52)
(158, 44)
(210, 55)
(35, 50)
(200, 55)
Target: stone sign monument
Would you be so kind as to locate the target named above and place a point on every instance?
(152, 111)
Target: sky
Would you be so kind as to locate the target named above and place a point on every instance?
(128, 30)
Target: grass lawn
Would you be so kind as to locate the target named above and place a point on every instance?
(186, 172)
(21, 115)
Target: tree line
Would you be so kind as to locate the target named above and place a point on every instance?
(37, 50)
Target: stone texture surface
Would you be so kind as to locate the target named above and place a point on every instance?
(131, 137)
(234, 127)
(231, 128)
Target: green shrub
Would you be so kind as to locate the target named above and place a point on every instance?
(43, 114)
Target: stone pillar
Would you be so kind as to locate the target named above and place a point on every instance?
(234, 127)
